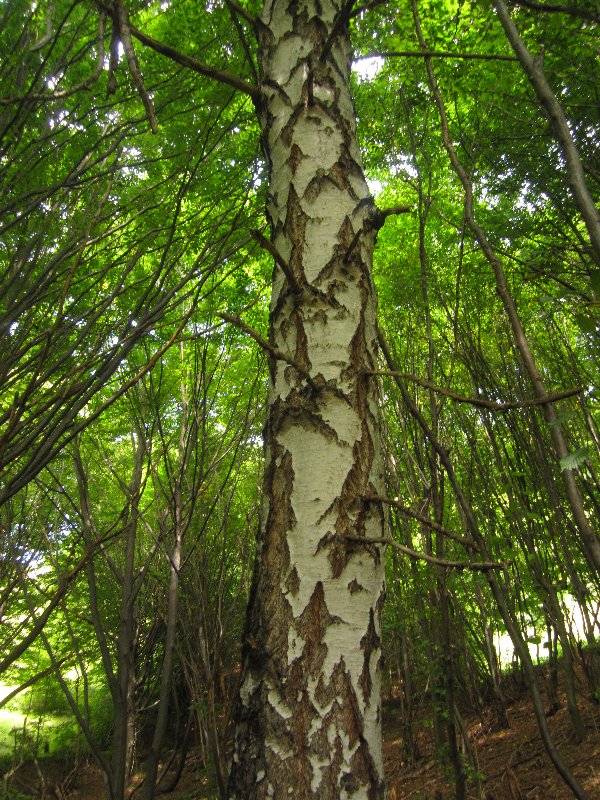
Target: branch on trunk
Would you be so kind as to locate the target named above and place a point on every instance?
(343, 18)
(234, 319)
(381, 214)
(279, 260)
(408, 512)
(375, 222)
(435, 54)
(482, 566)
(480, 402)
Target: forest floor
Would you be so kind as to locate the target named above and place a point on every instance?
(512, 763)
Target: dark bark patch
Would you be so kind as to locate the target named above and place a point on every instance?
(312, 626)
(354, 587)
(295, 158)
(329, 785)
(364, 769)
(295, 225)
(369, 643)
(292, 583)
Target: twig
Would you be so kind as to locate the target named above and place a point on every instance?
(367, 7)
(234, 11)
(242, 12)
(59, 94)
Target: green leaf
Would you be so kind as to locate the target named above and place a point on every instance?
(575, 459)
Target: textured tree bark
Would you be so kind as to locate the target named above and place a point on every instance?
(309, 719)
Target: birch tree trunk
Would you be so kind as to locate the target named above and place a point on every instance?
(309, 720)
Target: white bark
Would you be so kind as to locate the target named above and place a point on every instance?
(310, 722)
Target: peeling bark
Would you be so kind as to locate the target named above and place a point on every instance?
(309, 717)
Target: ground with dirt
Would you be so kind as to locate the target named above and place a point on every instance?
(512, 763)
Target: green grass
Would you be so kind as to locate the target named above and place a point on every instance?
(33, 735)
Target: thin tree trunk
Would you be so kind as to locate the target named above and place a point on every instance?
(589, 540)
(507, 614)
(309, 717)
(560, 127)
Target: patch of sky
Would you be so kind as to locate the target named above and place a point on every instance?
(367, 68)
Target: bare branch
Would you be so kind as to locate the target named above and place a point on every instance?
(197, 66)
(408, 512)
(222, 76)
(549, 8)
(483, 566)
(279, 260)
(234, 13)
(241, 11)
(375, 222)
(435, 54)
(480, 402)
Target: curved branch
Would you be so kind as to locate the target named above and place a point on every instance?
(435, 54)
(408, 512)
(219, 75)
(482, 566)
(134, 67)
(555, 114)
(480, 402)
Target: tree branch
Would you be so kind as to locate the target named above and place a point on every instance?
(375, 222)
(234, 11)
(480, 402)
(408, 512)
(482, 566)
(222, 76)
(560, 127)
(234, 319)
(435, 54)
(550, 9)
(278, 258)
(342, 19)
(241, 11)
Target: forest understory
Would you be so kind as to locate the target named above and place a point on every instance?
(511, 763)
